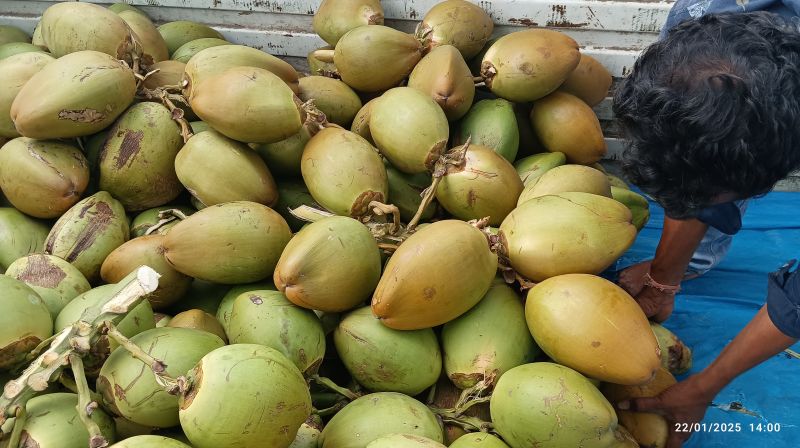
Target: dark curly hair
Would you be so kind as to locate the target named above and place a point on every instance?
(714, 108)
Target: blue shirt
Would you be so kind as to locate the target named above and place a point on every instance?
(692, 9)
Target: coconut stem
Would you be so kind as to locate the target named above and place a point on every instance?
(76, 339)
(324, 55)
(167, 96)
(86, 405)
(20, 417)
(173, 386)
(165, 217)
(309, 214)
(330, 385)
(331, 410)
(381, 209)
(452, 157)
(466, 423)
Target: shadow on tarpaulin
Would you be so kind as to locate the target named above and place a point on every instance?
(712, 309)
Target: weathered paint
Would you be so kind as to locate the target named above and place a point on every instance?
(614, 32)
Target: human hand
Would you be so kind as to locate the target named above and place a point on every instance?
(682, 405)
(657, 305)
(631, 279)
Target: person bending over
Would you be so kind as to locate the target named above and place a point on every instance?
(711, 115)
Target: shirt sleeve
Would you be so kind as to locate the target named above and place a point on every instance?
(726, 217)
(783, 300)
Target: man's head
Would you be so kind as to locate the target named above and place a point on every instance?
(713, 110)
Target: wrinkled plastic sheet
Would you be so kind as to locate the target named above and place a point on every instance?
(712, 309)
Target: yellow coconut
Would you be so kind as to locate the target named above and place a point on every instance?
(609, 337)
(650, 430)
(564, 123)
(566, 178)
(572, 232)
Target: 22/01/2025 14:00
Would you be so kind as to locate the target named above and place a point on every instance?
(727, 427)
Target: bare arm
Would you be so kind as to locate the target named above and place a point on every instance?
(687, 401)
(679, 240)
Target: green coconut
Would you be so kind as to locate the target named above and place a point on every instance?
(10, 34)
(460, 23)
(42, 178)
(76, 95)
(343, 172)
(56, 281)
(334, 18)
(148, 441)
(409, 128)
(636, 203)
(549, 405)
(15, 71)
(317, 66)
(532, 167)
(293, 194)
(202, 295)
(248, 104)
(146, 35)
(145, 220)
(266, 399)
(129, 390)
(231, 243)
(88, 232)
(225, 308)
(120, 7)
(52, 422)
(213, 61)
(376, 415)
(331, 265)
(20, 235)
(333, 97)
(180, 32)
(376, 58)
(147, 251)
(676, 356)
(406, 193)
(404, 441)
(191, 48)
(483, 184)
(361, 121)
(478, 440)
(198, 320)
(24, 323)
(284, 157)
(216, 169)
(444, 76)
(385, 360)
(37, 38)
(609, 336)
(491, 123)
(566, 178)
(162, 320)
(70, 27)
(199, 126)
(584, 143)
(526, 65)
(137, 162)
(571, 232)
(436, 275)
(267, 318)
(617, 182)
(488, 340)
(12, 48)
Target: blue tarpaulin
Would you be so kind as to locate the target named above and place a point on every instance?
(712, 309)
